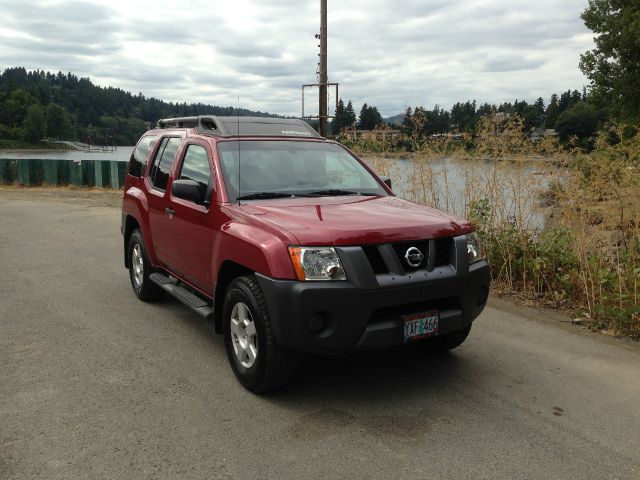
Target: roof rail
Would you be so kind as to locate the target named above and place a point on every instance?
(242, 126)
(201, 122)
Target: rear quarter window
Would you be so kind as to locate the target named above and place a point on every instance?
(140, 154)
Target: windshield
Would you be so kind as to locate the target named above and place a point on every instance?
(272, 169)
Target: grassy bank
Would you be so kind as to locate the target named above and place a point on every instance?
(586, 257)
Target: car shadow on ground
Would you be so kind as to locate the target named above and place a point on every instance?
(398, 394)
(398, 372)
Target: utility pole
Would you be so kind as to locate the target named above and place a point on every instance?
(323, 84)
(324, 79)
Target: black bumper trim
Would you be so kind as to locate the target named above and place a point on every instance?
(356, 318)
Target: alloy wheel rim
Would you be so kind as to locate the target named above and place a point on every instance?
(244, 336)
(138, 265)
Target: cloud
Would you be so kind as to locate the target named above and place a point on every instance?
(388, 54)
(512, 63)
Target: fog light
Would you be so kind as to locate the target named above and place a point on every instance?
(316, 323)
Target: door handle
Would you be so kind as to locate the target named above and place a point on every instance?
(170, 211)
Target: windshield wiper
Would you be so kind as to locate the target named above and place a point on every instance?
(336, 192)
(268, 195)
(264, 195)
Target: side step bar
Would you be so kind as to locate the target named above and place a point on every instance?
(191, 300)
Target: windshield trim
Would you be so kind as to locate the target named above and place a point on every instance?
(382, 191)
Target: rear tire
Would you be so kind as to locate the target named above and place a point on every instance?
(140, 269)
(257, 361)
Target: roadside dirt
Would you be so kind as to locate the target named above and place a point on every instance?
(93, 197)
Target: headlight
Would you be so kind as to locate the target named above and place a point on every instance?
(474, 249)
(316, 263)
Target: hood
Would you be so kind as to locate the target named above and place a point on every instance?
(356, 220)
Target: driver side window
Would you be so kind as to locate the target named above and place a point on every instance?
(195, 166)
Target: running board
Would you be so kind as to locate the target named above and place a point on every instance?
(191, 300)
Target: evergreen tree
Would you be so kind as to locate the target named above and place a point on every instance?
(437, 121)
(363, 116)
(350, 115)
(463, 116)
(565, 101)
(370, 118)
(485, 109)
(553, 110)
(532, 117)
(340, 121)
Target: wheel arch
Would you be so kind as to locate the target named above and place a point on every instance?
(130, 225)
(229, 270)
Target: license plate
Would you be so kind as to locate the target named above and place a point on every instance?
(420, 325)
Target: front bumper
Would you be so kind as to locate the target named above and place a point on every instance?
(337, 317)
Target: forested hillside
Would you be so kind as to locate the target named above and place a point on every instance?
(38, 104)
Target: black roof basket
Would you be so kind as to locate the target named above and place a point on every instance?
(242, 126)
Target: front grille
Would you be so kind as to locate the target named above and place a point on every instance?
(376, 260)
(442, 252)
(444, 249)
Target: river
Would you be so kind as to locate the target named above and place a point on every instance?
(509, 190)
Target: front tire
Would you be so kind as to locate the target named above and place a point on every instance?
(257, 361)
(140, 269)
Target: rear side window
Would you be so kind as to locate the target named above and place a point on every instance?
(196, 167)
(163, 163)
(140, 154)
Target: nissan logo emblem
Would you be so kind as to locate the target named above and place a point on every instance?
(414, 257)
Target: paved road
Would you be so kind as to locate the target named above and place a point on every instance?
(95, 384)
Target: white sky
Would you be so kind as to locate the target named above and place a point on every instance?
(390, 54)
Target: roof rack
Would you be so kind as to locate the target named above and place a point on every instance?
(242, 126)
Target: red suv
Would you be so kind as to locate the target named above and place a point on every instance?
(290, 243)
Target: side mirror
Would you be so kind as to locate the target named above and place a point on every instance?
(188, 190)
(386, 180)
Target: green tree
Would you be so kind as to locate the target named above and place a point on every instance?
(613, 66)
(363, 117)
(35, 125)
(370, 118)
(350, 115)
(581, 120)
(414, 126)
(339, 121)
(532, 117)
(463, 116)
(17, 106)
(375, 117)
(551, 115)
(58, 122)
